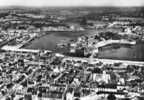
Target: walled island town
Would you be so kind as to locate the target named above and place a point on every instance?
(67, 53)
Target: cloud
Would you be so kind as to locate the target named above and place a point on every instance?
(72, 2)
(129, 3)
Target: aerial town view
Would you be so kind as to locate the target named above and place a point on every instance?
(62, 52)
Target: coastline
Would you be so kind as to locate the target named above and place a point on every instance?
(93, 60)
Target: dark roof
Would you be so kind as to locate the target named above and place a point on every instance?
(106, 92)
(113, 86)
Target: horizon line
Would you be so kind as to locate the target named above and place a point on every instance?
(67, 6)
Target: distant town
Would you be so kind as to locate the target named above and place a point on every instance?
(81, 53)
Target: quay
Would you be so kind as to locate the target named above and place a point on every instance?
(107, 61)
(104, 43)
(17, 46)
(108, 42)
(91, 59)
(5, 42)
(11, 48)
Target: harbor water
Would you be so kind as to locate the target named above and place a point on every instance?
(122, 52)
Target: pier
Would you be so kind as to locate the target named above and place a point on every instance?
(107, 61)
(11, 48)
(5, 42)
(107, 42)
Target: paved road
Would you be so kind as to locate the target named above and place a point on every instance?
(94, 60)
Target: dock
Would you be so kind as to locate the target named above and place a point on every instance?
(107, 42)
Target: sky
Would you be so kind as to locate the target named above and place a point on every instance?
(39, 3)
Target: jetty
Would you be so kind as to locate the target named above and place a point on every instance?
(107, 42)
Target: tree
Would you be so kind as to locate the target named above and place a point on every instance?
(8, 98)
(76, 99)
(111, 97)
(126, 99)
(83, 21)
(97, 70)
(12, 96)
